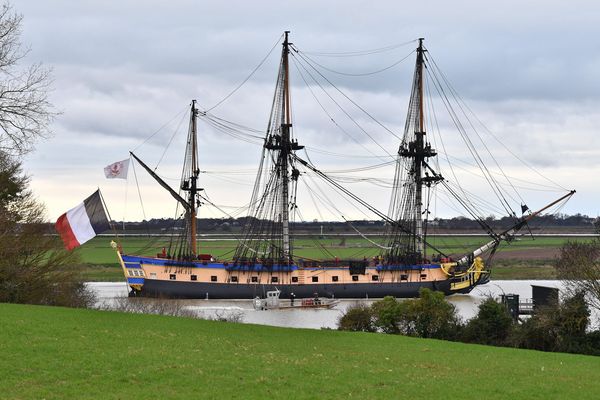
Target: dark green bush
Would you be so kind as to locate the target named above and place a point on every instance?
(560, 328)
(387, 314)
(492, 324)
(357, 318)
(429, 316)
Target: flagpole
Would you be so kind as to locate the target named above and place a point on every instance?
(110, 220)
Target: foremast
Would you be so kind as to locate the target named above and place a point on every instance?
(189, 184)
(189, 180)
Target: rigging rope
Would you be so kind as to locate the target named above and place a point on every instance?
(365, 237)
(170, 141)
(161, 128)
(294, 59)
(362, 202)
(470, 146)
(139, 192)
(360, 52)
(492, 134)
(248, 77)
(359, 74)
(456, 99)
(348, 97)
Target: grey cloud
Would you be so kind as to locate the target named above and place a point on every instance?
(124, 69)
(488, 52)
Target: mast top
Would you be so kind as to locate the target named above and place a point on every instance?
(420, 49)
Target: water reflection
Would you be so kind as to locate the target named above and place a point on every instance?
(108, 292)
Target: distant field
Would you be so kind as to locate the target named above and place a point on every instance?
(525, 258)
(58, 353)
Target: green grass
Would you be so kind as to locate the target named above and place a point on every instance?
(523, 269)
(101, 263)
(102, 273)
(58, 353)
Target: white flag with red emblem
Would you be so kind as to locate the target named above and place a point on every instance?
(117, 170)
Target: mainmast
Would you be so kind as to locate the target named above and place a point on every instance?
(266, 235)
(285, 147)
(419, 135)
(286, 125)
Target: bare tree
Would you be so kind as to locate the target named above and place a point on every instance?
(25, 112)
(34, 267)
(578, 266)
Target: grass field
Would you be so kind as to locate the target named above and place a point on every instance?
(58, 353)
(514, 261)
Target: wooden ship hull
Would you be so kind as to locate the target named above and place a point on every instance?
(156, 277)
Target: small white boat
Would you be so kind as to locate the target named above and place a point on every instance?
(272, 301)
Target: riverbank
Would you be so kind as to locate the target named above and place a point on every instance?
(58, 353)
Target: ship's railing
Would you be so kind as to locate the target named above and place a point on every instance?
(470, 277)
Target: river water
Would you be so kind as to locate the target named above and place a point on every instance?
(109, 293)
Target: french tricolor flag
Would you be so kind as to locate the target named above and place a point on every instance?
(82, 223)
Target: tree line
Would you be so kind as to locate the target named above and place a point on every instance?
(563, 327)
(158, 225)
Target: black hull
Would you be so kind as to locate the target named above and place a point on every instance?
(201, 290)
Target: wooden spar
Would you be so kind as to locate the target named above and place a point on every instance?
(288, 117)
(286, 125)
(421, 112)
(419, 137)
(530, 216)
(194, 183)
(511, 231)
(162, 183)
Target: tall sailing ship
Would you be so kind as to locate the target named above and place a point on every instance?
(264, 259)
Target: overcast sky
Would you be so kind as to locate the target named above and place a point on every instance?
(530, 71)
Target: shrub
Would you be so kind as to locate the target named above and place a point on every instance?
(492, 324)
(429, 316)
(558, 328)
(387, 314)
(357, 318)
